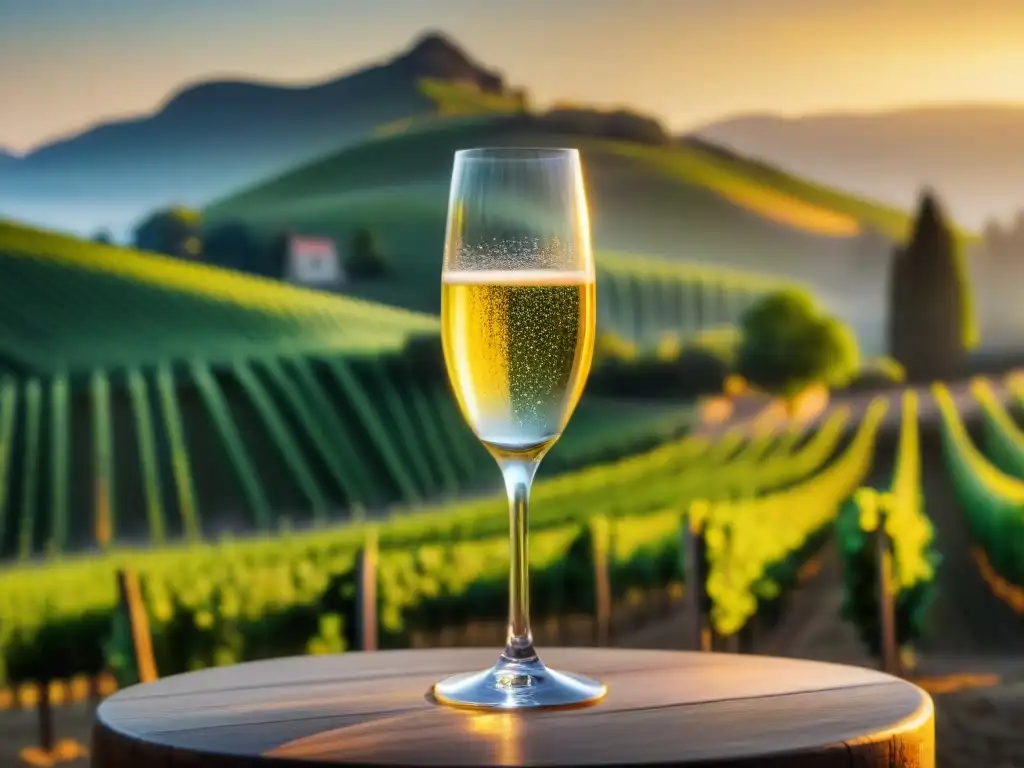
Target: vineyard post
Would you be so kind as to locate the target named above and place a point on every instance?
(695, 563)
(366, 592)
(886, 599)
(45, 712)
(134, 610)
(94, 688)
(600, 535)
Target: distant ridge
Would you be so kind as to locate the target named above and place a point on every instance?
(970, 153)
(211, 137)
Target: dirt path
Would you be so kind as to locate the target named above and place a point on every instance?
(20, 729)
(972, 633)
(967, 619)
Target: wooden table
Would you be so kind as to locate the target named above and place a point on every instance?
(663, 708)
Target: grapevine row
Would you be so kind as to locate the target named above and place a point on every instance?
(992, 500)
(756, 545)
(217, 603)
(1003, 439)
(644, 299)
(900, 507)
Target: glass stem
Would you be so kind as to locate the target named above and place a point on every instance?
(518, 474)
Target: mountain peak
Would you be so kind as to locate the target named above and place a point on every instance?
(435, 42)
(435, 55)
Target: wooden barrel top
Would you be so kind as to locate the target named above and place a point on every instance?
(663, 708)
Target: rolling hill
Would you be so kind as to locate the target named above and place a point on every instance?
(212, 137)
(143, 396)
(69, 305)
(971, 154)
(690, 202)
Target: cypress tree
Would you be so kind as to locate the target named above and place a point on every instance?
(926, 300)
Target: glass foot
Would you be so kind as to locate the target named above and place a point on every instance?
(518, 685)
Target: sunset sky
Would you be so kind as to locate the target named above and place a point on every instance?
(68, 63)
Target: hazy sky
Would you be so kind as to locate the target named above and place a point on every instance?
(68, 63)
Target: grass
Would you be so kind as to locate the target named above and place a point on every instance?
(730, 172)
(790, 204)
(452, 100)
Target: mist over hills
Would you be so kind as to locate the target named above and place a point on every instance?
(212, 137)
(973, 155)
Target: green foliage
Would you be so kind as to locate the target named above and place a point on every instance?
(233, 244)
(620, 124)
(118, 652)
(459, 98)
(238, 600)
(1003, 438)
(993, 501)
(681, 374)
(889, 369)
(931, 318)
(755, 542)
(366, 261)
(172, 231)
(604, 429)
(658, 307)
(915, 558)
(611, 348)
(787, 344)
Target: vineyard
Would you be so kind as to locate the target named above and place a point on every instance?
(191, 382)
(216, 603)
(645, 300)
(764, 503)
(156, 399)
(225, 404)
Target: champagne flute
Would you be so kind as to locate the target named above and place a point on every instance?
(518, 315)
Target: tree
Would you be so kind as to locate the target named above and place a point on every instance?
(103, 237)
(676, 373)
(366, 259)
(232, 244)
(928, 325)
(787, 343)
(174, 231)
(622, 125)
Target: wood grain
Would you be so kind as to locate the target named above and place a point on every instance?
(663, 708)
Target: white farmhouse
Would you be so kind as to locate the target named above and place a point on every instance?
(313, 262)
